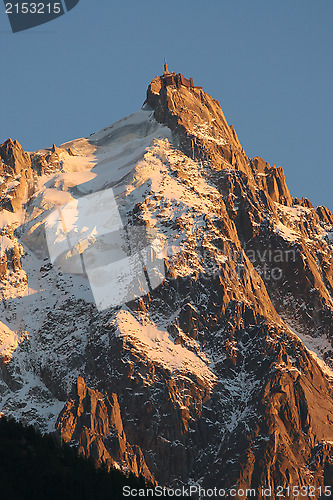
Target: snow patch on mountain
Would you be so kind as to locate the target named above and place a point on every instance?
(9, 340)
(317, 347)
(8, 219)
(205, 131)
(286, 233)
(32, 403)
(158, 346)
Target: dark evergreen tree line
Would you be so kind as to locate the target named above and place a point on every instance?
(34, 467)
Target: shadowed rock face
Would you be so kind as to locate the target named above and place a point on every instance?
(202, 378)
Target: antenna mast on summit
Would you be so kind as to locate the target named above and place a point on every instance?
(166, 71)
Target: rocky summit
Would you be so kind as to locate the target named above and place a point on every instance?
(218, 373)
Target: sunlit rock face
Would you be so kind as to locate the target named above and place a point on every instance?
(218, 370)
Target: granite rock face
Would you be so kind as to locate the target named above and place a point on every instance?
(15, 169)
(199, 125)
(222, 374)
(15, 172)
(14, 159)
(102, 435)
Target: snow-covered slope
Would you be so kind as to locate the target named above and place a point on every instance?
(136, 157)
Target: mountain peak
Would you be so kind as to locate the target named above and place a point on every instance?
(207, 361)
(201, 131)
(197, 121)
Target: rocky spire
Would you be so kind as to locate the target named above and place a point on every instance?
(166, 71)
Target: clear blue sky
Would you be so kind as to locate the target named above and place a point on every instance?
(268, 62)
